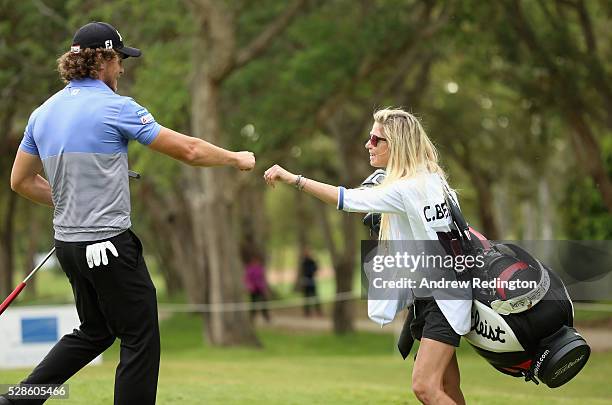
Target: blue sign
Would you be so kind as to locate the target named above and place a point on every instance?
(39, 330)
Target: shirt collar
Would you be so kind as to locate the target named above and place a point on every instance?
(88, 82)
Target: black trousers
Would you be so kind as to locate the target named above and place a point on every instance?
(256, 297)
(113, 301)
(312, 300)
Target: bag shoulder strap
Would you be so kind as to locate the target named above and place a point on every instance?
(458, 219)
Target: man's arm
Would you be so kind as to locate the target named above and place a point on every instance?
(197, 152)
(26, 180)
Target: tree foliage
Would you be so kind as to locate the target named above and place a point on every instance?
(516, 95)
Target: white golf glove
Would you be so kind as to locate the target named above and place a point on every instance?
(96, 253)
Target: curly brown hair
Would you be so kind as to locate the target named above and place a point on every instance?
(84, 64)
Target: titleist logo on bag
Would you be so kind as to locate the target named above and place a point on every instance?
(485, 330)
(568, 366)
(536, 370)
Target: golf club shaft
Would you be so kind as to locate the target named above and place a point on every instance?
(43, 261)
(11, 297)
(21, 286)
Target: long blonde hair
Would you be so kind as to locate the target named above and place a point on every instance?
(410, 151)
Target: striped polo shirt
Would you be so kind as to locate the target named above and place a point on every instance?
(81, 134)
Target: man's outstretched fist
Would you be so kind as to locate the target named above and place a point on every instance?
(244, 160)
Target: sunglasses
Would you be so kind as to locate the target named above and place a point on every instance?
(375, 139)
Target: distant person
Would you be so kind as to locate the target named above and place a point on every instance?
(80, 138)
(308, 270)
(255, 281)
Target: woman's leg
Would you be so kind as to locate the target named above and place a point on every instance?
(451, 381)
(429, 369)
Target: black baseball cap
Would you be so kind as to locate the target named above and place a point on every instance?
(101, 35)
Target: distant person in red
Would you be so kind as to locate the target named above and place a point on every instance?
(255, 281)
(308, 269)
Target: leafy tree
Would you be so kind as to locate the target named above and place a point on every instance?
(27, 76)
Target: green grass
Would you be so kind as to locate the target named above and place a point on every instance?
(315, 368)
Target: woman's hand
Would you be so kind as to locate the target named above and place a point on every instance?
(324, 192)
(277, 173)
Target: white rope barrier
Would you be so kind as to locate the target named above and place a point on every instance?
(301, 301)
(298, 302)
(257, 305)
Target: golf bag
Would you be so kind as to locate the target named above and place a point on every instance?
(522, 332)
(525, 332)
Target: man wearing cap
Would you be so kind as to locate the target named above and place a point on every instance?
(79, 137)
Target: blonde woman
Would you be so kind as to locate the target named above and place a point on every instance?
(398, 143)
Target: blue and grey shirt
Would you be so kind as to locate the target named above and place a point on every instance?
(81, 135)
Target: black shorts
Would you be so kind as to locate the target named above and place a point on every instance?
(429, 322)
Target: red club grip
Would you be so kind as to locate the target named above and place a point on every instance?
(11, 297)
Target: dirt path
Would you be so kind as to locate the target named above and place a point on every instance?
(600, 339)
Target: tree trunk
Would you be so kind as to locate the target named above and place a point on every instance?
(212, 193)
(172, 239)
(545, 210)
(34, 235)
(172, 279)
(502, 207)
(589, 156)
(529, 220)
(171, 260)
(345, 271)
(486, 210)
(212, 196)
(344, 266)
(253, 220)
(6, 248)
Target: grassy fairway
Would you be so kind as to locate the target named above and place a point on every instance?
(300, 368)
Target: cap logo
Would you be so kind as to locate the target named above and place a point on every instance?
(75, 48)
(108, 44)
(120, 37)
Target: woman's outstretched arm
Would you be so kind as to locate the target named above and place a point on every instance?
(324, 192)
(373, 199)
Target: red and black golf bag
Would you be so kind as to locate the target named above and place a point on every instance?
(523, 332)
